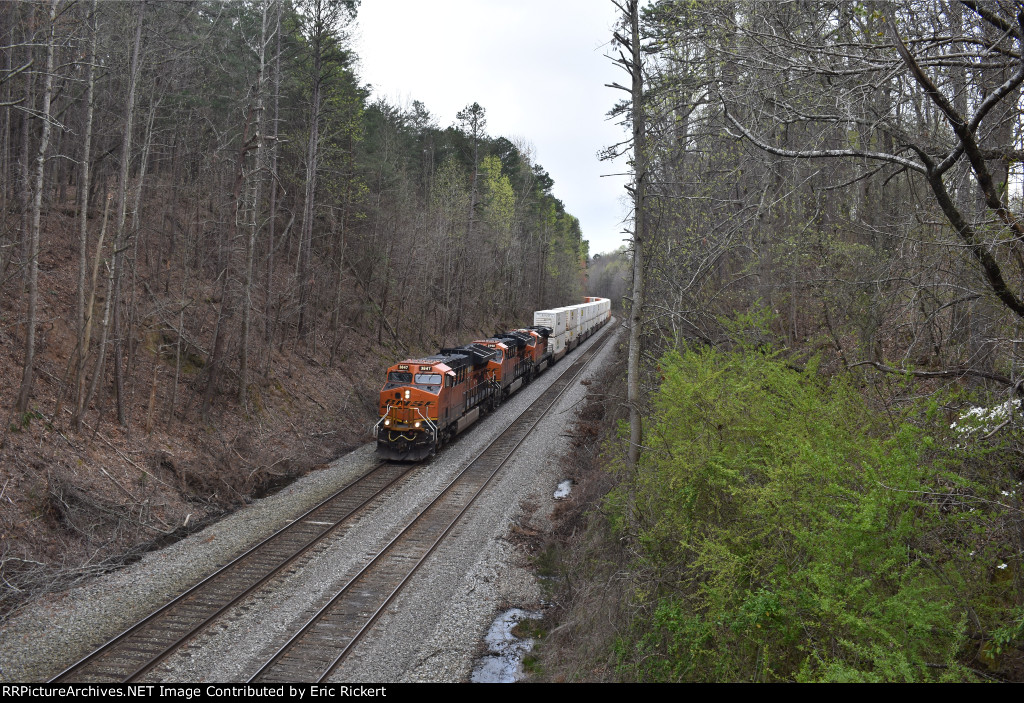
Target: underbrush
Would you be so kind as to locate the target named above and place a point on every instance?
(778, 528)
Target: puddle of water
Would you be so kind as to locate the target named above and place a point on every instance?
(504, 661)
(563, 490)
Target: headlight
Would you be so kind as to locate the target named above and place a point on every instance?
(387, 422)
(417, 424)
(407, 394)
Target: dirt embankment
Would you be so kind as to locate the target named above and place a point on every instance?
(584, 574)
(79, 503)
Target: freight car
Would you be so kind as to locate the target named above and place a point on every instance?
(426, 402)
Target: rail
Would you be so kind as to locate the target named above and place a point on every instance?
(138, 649)
(321, 644)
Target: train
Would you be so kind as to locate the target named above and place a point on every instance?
(426, 402)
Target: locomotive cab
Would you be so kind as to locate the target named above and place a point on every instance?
(426, 402)
(409, 400)
(537, 349)
(512, 365)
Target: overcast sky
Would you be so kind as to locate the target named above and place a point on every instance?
(538, 68)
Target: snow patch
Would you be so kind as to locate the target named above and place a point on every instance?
(563, 490)
(504, 661)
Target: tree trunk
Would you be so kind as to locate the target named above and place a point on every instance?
(306, 240)
(122, 208)
(83, 213)
(81, 400)
(227, 309)
(250, 248)
(5, 134)
(37, 205)
(101, 353)
(272, 221)
(25, 193)
(639, 193)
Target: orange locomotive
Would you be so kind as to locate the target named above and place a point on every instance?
(426, 402)
(537, 347)
(511, 366)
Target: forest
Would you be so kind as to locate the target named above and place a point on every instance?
(212, 241)
(818, 470)
(810, 466)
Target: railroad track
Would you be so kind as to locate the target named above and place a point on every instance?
(329, 635)
(326, 639)
(138, 649)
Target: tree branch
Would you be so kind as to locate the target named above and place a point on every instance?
(821, 153)
(945, 373)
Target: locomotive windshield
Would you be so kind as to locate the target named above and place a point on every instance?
(430, 382)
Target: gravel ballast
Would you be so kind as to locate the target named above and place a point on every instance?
(432, 631)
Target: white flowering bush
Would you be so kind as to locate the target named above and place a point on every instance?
(985, 420)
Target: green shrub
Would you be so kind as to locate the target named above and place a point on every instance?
(792, 533)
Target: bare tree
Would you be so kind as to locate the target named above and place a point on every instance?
(881, 60)
(82, 346)
(37, 204)
(633, 65)
(325, 21)
(256, 179)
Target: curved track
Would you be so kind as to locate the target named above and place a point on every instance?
(137, 650)
(314, 652)
(321, 644)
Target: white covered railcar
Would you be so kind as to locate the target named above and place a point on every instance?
(573, 324)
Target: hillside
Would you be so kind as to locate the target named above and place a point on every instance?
(212, 242)
(77, 503)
